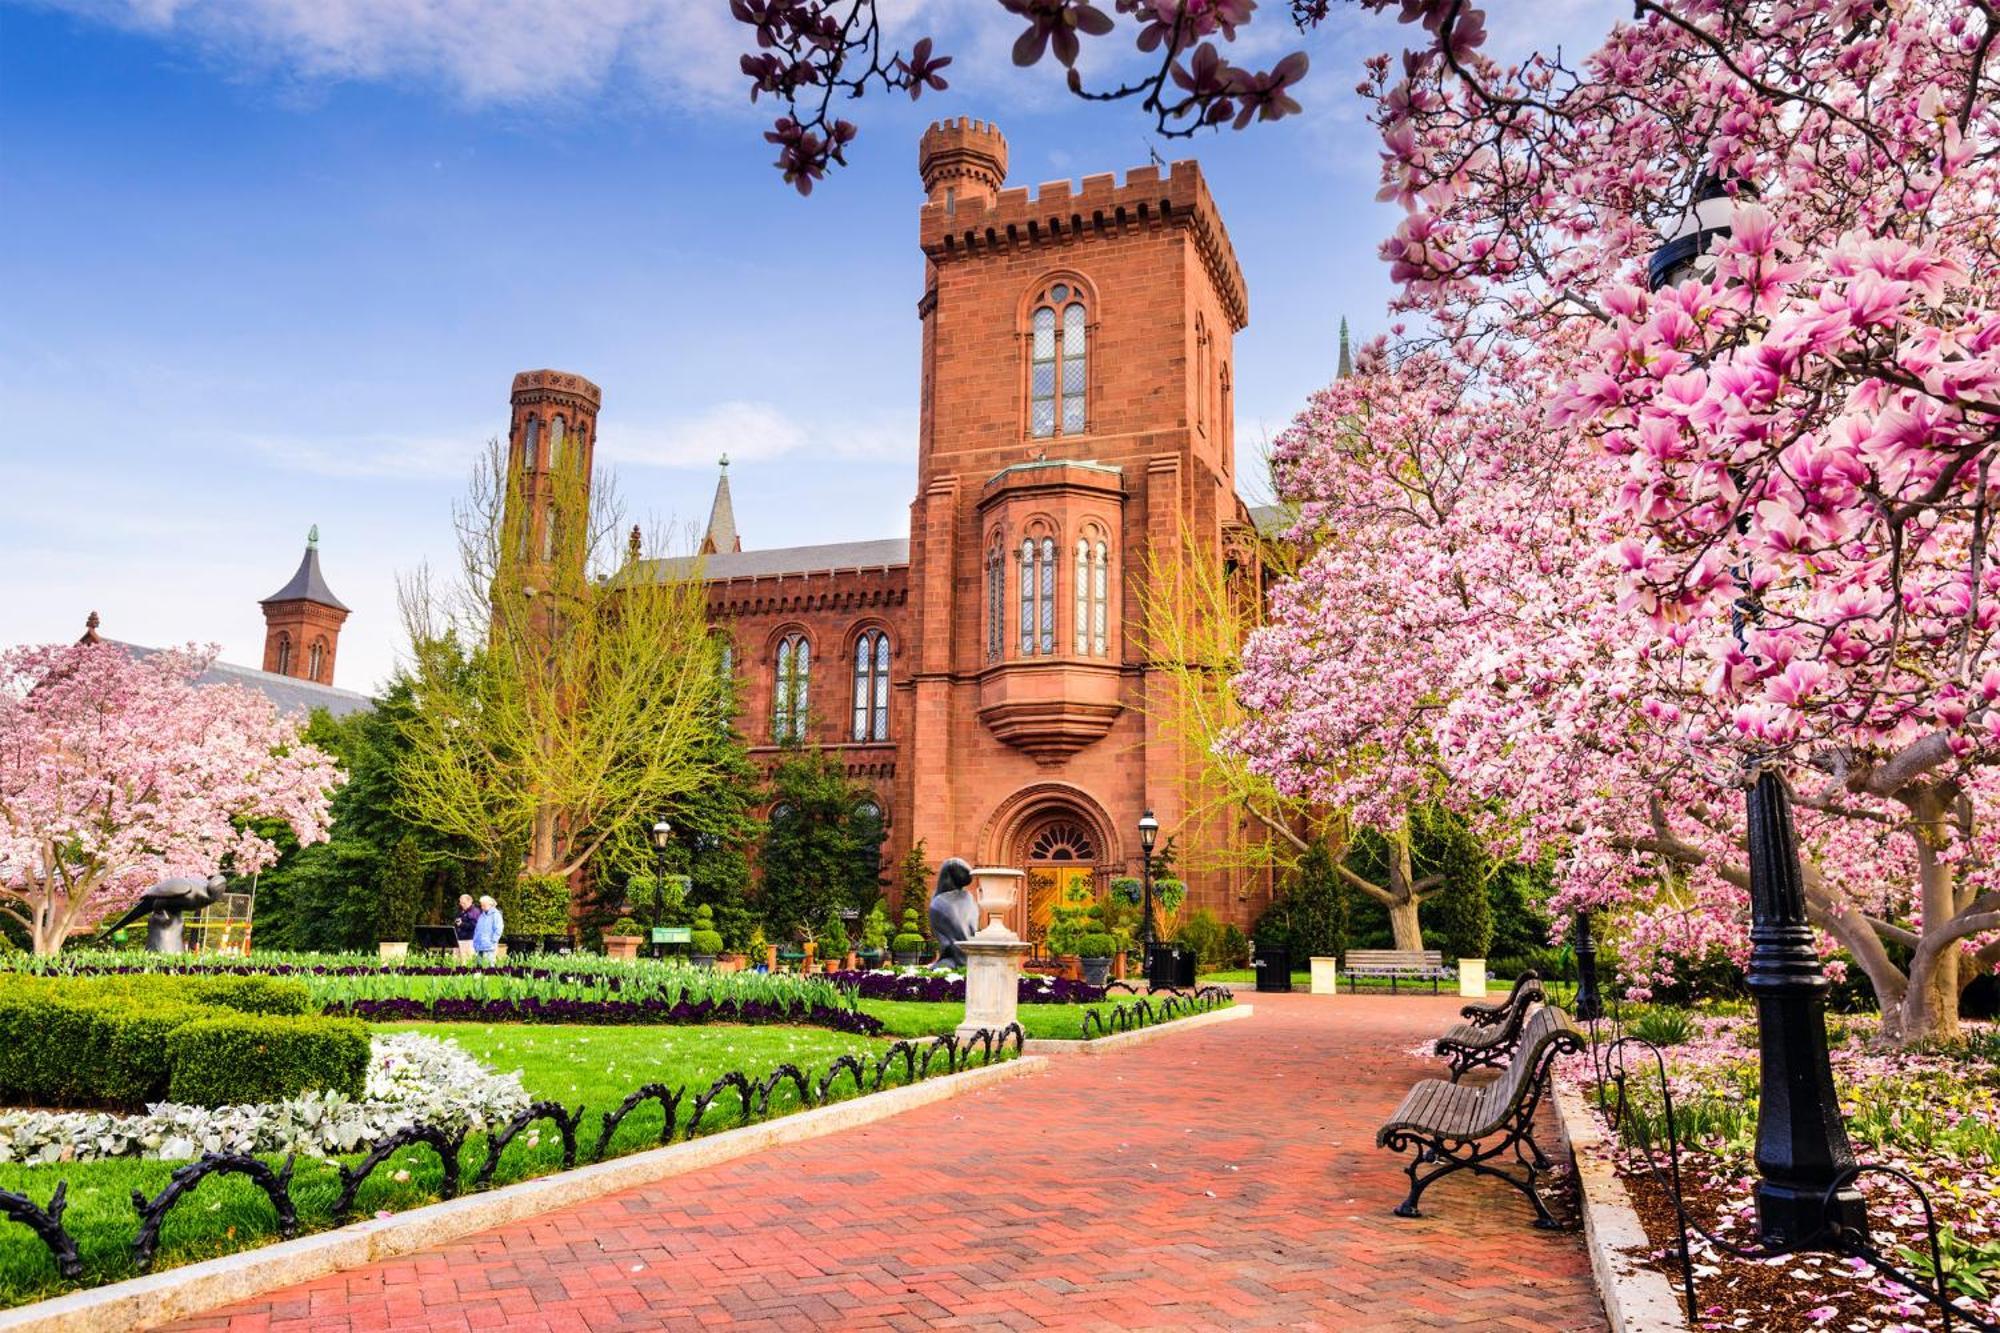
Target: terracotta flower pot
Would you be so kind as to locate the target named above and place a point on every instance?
(623, 946)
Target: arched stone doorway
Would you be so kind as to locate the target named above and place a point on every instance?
(1062, 838)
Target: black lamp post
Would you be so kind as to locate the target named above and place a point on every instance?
(1801, 1141)
(1589, 1003)
(1149, 830)
(662, 834)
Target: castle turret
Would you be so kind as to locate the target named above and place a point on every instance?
(962, 161)
(552, 437)
(302, 621)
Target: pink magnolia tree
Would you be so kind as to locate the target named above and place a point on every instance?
(1780, 461)
(117, 771)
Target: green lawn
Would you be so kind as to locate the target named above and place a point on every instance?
(596, 1066)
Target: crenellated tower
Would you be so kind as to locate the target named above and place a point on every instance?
(551, 441)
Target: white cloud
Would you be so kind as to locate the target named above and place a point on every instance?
(752, 432)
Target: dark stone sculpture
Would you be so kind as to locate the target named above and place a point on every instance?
(954, 911)
(163, 905)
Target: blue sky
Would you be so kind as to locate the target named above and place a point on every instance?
(271, 263)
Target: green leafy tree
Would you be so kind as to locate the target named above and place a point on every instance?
(812, 861)
(328, 895)
(400, 896)
(1312, 915)
(916, 884)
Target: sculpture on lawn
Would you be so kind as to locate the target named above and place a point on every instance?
(163, 906)
(954, 911)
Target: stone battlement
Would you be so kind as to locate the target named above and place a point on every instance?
(1061, 211)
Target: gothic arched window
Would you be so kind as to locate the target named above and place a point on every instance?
(996, 601)
(531, 445)
(1038, 596)
(1057, 338)
(871, 687)
(284, 655)
(315, 659)
(789, 694)
(556, 433)
(1092, 625)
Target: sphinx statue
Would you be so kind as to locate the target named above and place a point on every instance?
(954, 911)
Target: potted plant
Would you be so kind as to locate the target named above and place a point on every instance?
(1096, 950)
(763, 957)
(704, 941)
(908, 946)
(874, 937)
(833, 943)
(622, 939)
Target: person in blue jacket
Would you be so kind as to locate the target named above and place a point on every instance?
(486, 931)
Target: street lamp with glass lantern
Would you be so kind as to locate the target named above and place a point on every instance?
(662, 834)
(1149, 831)
(1802, 1145)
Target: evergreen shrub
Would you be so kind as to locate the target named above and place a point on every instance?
(238, 1058)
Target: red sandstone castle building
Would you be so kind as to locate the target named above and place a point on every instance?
(986, 678)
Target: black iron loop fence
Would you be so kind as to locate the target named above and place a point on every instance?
(1143, 1012)
(753, 1096)
(1614, 1080)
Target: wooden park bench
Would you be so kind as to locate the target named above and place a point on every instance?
(1488, 1014)
(1398, 965)
(1491, 1031)
(1461, 1127)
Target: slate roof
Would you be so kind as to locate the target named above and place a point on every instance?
(307, 584)
(886, 553)
(1271, 519)
(290, 694)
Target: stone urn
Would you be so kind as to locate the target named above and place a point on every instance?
(1096, 971)
(997, 889)
(993, 955)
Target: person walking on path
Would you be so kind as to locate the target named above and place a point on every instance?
(486, 931)
(467, 922)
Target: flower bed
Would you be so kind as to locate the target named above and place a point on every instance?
(542, 990)
(927, 987)
(410, 1078)
(1932, 1115)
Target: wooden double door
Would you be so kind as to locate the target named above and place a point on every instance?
(1052, 884)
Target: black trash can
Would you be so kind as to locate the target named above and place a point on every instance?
(1273, 965)
(1170, 965)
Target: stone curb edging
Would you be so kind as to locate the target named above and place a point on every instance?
(1126, 1040)
(1636, 1299)
(177, 1293)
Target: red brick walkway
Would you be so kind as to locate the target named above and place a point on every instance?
(1219, 1178)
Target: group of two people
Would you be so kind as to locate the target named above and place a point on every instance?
(478, 927)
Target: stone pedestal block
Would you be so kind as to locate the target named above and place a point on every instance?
(992, 982)
(1326, 976)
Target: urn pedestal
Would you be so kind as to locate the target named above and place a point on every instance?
(993, 956)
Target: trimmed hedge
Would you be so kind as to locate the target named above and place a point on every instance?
(243, 1058)
(107, 1041)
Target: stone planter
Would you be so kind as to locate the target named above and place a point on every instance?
(910, 959)
(732, 962)
(1326, 976)
(870, 958)
(1472, 978)
(394, 948)
(1096, 971)
(623, 946)
(702, 959)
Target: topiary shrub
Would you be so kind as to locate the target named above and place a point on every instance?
(875, 930)
(227, 1061)
(624, 925)
(540, 906)
(833, 942)
(705, 938)
(910, 939)
(108, 1041)
(1097, 944)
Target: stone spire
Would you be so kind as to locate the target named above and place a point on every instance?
(1346, 357)
(721, 536)
(90, 624)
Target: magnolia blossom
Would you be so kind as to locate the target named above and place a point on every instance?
(117, 771)
(1764, 530)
